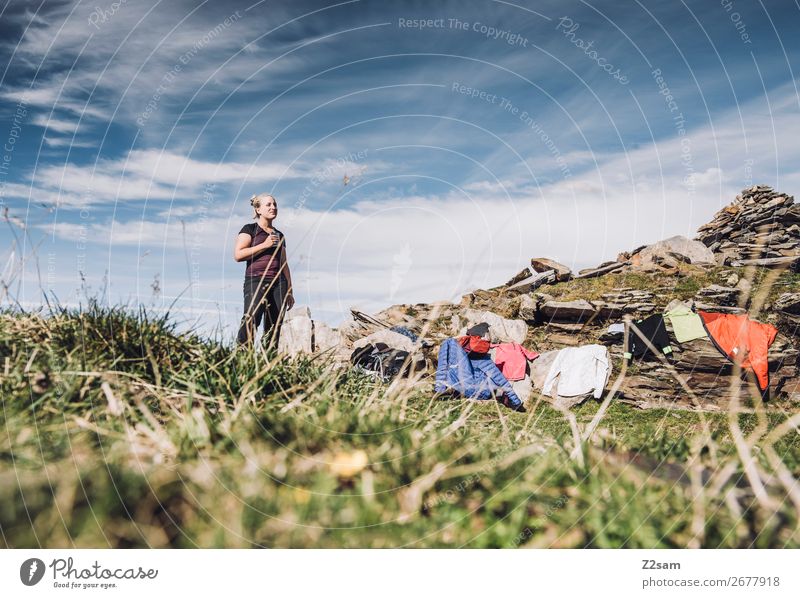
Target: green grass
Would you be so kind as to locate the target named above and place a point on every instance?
(118, 431)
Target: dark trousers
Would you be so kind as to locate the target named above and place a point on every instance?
(263, 298)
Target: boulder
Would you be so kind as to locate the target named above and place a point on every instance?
(564, 327)
(539, 368)
(519, 276)
(678, 248)
(297, 333)
(327, 338)
(297, 312)
(532, 282)
(723, 309)
(543, 264)
(527, 308)
(579, 310)
(501, 329)
(352, 330)
(523, 389)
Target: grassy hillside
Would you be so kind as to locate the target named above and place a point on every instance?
(117, 431)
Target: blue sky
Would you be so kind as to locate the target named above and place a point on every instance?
(417, 150)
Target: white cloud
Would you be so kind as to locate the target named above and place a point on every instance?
(381, 249)
(67, 142)
(450, 243)
(146, 174)
(55, 125)
(123, 58)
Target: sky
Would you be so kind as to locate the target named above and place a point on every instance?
(417, 150)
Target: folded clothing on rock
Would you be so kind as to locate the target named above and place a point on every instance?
(686, 324)
(578, 371)
(744, 340)
(473, 377)
(512, 359)
(653, 329)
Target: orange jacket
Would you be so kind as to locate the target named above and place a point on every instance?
(740, 338)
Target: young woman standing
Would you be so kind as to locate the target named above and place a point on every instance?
(267, 280)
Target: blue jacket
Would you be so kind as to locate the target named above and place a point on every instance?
(472, 378)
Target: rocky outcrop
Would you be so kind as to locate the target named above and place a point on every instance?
(546, 307)
(717, 294)
(697, 375)
(719, 298)
(761, 227)
(530, 281)
(297, 333)
(300, 335)
(501, 330)
(576, 311)
(326, 338)
(623, 301)
(670, 252)
(604, 268)
(542, 264)
(788, 303)
(649, 383)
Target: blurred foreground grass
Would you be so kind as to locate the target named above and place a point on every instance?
(115, 431)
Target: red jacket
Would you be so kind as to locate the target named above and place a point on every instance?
(512, 359)
(740, 338)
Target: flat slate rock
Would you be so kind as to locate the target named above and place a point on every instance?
(543, 264)
(567, 311)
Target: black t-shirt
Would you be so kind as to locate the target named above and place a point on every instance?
(270, 259)
(654, 330)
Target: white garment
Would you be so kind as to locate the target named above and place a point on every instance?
(579, 370)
